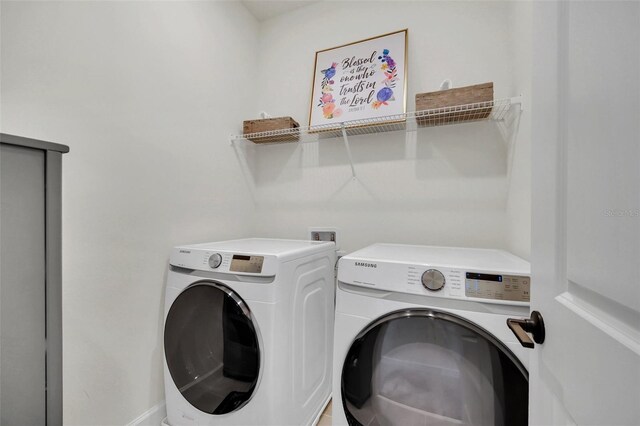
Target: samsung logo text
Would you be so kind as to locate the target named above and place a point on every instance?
(366, 265)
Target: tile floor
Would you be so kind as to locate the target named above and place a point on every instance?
(325, 419)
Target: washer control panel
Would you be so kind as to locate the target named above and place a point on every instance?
(494, 286)
(497, 287)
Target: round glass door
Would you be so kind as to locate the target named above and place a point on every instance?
(424, 367)
(211, 348)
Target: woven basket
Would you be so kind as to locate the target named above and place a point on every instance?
(452, 105)
(269, 125)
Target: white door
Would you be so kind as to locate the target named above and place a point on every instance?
(586, 214)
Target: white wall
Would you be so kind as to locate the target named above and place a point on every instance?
(145, 94)
(449, 186)
(519, 198)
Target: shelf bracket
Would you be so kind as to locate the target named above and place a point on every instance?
(517, 100)
(348, 148)
(245, 169)
(515, 127)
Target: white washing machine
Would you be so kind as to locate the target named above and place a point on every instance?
(248, 332)
(421, 337)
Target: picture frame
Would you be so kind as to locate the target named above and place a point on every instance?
(365, 79)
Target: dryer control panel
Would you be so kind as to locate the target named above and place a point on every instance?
(224, 262)
(246, 263)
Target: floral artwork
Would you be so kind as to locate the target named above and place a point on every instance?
(327, 101)
(388, 67)
(360, 81)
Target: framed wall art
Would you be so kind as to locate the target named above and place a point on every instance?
(360, 80)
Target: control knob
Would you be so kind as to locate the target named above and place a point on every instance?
(215, 260)
(433, 280)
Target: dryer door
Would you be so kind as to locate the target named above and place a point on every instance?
(425, 367)
(211, 347)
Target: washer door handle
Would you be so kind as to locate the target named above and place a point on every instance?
(533, 325)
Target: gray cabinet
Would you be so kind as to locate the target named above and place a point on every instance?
(30, 282)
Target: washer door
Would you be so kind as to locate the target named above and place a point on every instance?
(211, 347)
(425, 367)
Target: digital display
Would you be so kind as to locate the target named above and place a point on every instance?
(248, 264)
(497, 287)
(484, 277)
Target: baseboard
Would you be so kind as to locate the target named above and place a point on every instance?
(152, 417)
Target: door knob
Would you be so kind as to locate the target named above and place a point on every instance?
(533, 325)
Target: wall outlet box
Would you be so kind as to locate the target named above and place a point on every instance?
(320, 233)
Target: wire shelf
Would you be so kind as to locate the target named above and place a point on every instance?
(495, 110)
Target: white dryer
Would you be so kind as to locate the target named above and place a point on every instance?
(248, 332)
(421, 337)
